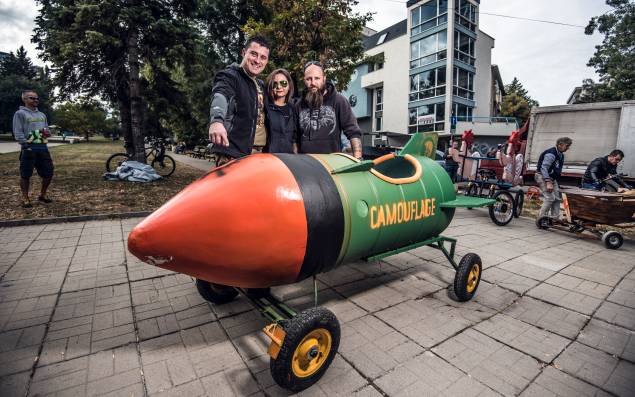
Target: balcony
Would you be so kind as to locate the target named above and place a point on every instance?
(487, 126)
(373, 79)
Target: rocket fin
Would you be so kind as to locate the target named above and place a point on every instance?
(467, 202)
(421, 144)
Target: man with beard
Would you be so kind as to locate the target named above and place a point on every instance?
(323, 115)
(237, 125)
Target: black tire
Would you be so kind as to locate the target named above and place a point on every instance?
(295, 371)
(216, 293)
(166, 167)
(115, 161)
(519, 202)
(468, 277)
(612, 240)
(544, 223)
(471, 190)
(502, 211)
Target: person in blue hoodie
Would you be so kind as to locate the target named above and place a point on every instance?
(30, 129)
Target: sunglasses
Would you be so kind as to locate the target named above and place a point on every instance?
(316, 63)
(281, 83)
(34, 98)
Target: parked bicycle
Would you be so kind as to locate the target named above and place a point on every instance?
(155, 156)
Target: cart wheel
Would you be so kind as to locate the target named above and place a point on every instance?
(502, 211)
(468, 276)
(311, 341)
(544, 223)
(215, 293)
(613, 240)
(520, 200)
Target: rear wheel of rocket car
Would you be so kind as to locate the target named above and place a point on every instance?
(544, 223)
(612, 240)
(309, 346)
(468, 276)
(519, 202)
(215, 293)
(502, 211)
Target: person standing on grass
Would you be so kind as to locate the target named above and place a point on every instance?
(30, 129)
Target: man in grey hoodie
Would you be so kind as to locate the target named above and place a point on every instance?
(30, 129)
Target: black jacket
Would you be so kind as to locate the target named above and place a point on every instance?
(242, 109)
(320, 130)
(280, 122)
(599, 169)
(555, 161)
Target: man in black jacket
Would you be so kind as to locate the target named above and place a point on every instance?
(601, 174)
(323, 115)
(237, 118)
(548, 171)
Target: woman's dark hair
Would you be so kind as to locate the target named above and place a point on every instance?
(269, 83)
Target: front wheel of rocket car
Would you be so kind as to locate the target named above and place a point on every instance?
(215, 293)
(468, 276)
(309, 346)
(612, 240)
(544, 222)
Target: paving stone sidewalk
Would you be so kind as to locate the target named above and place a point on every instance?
(554, 316)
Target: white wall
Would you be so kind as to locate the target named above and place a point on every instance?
(394, 78)
(483, 78)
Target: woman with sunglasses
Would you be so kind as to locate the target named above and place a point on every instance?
(280, 118)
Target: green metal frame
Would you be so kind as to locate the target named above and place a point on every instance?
(434, 242)
(269, 307)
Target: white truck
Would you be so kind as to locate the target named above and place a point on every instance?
(595, 128)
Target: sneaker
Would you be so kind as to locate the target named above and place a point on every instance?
(45, 199)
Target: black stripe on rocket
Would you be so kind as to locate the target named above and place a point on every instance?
(324, 213)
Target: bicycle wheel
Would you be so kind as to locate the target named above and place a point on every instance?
(166, 167)
(471, 189)
(502, 211)
(115, 161)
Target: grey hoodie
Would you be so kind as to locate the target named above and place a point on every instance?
(26, 120)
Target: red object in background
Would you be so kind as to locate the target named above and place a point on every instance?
(45, 132)
(468, 137)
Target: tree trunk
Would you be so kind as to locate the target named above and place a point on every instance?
(136, 116)
(126, 132)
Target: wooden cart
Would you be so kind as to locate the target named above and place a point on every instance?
(586, 209)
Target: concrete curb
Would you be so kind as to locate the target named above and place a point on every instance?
(77, 218)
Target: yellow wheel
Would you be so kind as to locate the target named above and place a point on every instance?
(311, 353)
(468, 276)
(309, 346)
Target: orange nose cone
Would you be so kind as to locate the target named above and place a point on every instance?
(243, 225)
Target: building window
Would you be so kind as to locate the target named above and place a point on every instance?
(379, 108)
(426, 118)
(381, 38)
(466, 14)
(463, 83)
(429, 15)
(376, 66)
(427, 84)
(429, 49)
(462, 112)
(464, 47)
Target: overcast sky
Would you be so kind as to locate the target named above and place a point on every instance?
(550, 60)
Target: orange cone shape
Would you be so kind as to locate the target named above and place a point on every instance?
(243, 224)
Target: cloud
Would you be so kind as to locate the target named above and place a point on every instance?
(17, 20)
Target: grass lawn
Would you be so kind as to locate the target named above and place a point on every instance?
(78, 187)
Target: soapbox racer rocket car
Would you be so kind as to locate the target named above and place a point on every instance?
(274, 219)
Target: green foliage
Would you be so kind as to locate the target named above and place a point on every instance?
(84, 117)
(305, 30)
(514, 105)
(17, 74)
(614, 59)
(516, 87)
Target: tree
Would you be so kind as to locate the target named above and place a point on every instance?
(305, 30)
(613, 60)
(514, 105)
(108, 48)
(83, 116)
(17, 74)
(516, 87)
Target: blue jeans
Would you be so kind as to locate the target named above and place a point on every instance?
(592, 186)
